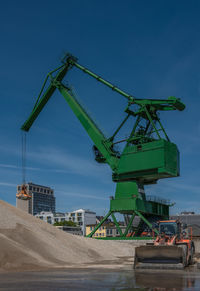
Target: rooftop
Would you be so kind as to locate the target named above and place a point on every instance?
(107, 224)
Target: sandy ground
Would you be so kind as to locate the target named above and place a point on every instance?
(27, 243)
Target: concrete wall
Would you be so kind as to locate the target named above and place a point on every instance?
(22, 204)
(197, 245)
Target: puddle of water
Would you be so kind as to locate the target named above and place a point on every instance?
(101, 280)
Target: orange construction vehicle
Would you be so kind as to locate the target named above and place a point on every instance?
(171, 249)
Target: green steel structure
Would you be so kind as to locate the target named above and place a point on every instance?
(147, 156)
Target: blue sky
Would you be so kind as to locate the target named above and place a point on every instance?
(148, 48)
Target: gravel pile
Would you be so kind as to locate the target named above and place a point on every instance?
(27, 243)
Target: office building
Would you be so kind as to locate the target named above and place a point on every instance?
(42, 199)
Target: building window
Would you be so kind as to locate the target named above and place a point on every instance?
(96, 234)
(41, 217)
(62, 219)
(100, 228)
(80, 223)
(90, 227)
(30, 187)
(79, 214)
(110, 231)
(72, 214)
(33, 188)
(107, 232)
(102, 234)
(38, 189)
(47, 191)
(41, 190)
(44, 190)
(49, 219)
(56, 219)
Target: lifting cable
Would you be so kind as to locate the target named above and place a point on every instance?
(23, 157)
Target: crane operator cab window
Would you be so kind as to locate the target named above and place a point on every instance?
(168, 228)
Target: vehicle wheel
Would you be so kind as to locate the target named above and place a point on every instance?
(192, 254)
(184, 257)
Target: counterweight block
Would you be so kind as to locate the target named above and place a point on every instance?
(148, 162)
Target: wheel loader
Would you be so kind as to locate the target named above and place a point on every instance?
(171, 249)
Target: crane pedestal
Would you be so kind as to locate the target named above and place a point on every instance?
(130, 200)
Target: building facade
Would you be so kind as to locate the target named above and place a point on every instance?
(191, 219)
(81, 217)
(47, 217)
(42, 199)
(52, 218)
(76, 230)
(108, 229)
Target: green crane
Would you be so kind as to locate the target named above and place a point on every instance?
(148, 154)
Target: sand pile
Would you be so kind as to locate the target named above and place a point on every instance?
(28, 243)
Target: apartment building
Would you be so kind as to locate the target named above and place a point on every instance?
(107, 229)
(81, 217)
(52, 218)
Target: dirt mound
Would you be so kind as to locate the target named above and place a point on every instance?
(28, 243)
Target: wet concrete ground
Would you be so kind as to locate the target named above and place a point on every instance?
(111, 280)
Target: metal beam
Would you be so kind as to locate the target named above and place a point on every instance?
(41, 102)
(129, 224)
(117, 224)
(99, 225)
(146, 221)
(98, 78)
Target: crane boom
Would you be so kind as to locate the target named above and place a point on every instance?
(105, 146)
(102, 145)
